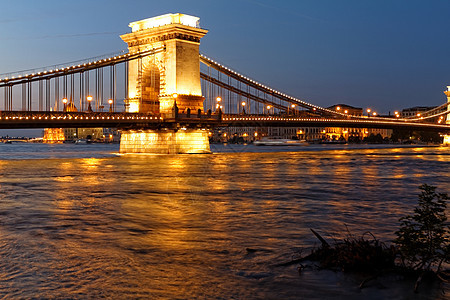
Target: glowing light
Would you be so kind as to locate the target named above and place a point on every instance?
(218, 99)
(346, 111)
(110, 101)
(293, 105)
(369, 110)
(89, 98)
(269, 107)
(64, 100)
(243, 103)
(134, 107)
(338, 108)
(166, 19)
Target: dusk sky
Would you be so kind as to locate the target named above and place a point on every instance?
(386, 55)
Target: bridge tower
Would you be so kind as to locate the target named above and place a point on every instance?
(165, 81)
(447, 136)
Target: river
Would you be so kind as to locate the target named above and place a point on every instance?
(81, 221)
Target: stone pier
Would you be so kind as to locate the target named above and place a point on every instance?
(189, 141)
(447, 136)
(159, 82)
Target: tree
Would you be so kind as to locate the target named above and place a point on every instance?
(424, 238)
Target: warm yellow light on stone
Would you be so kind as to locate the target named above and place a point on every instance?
(166, 19)
(53, 136)
(165, 141)
(158, 80)
(447, 136)
(177, 68)
(133, 107)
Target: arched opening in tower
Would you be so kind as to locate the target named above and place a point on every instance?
(150, 88)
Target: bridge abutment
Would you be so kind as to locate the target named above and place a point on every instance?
(170, 141)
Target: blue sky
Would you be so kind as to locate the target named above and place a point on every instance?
(384, 54)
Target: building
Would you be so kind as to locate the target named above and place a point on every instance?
(415, 111)
(61, 135)
(73, 134)
(246, 134)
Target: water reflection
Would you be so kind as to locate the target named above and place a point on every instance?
(180, 226)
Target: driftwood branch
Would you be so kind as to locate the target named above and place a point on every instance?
(321, 239)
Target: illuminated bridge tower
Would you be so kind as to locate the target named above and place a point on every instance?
(447, 137)
(158, 82)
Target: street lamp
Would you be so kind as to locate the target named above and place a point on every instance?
(293, 109)
(110, 101)
(218, 106)
(268, 109)
(89, 99)
(368, 112)
(64, 100)
(243, 106)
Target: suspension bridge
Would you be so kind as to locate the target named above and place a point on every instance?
(165, 96)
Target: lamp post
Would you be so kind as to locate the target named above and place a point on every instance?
(89, 99)
(218, 106)
(243, 107)
(368, 112)
(268, 109)
(110, 101)
(64, 100)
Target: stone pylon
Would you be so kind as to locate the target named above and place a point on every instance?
(447, 136)
(167, 79)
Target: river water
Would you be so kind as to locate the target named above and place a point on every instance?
(81, 221)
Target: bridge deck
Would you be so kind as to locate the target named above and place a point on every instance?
(122, 120)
